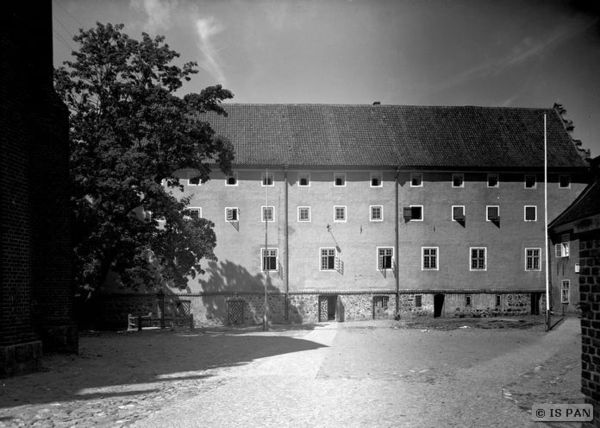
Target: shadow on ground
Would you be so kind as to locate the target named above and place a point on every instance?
(141, 363)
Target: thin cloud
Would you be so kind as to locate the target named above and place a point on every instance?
(158, 13)
(206, 29)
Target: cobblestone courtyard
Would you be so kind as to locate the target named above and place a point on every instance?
(359, 374)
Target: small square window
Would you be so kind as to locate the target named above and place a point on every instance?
(416, 179)
(532, 259)
(194, 181)
(381, 302)
(269, 259)
(231, 180)
(458, 213)
(376, 180)
(530, 181)
(304, 179)
(530, 213)
(232, 214)
(339, 213)
(267, 179)
(268, 214)
(493, 213)
(458, 180)
(385, 257)
(564, 181)
(478, 259)
(303, 213)
(192, 212)
(430, 258)
(565, 291)
(339, 179)
(416, 212)
(493, 180)
(376, 212)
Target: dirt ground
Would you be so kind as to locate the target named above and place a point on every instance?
(119, 378)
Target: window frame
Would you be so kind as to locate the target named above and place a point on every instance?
(534, 181)
(485, 259)
(237, 211)
(337, 175)
(263, 259)
(566, 282)
(436, 258)
(418, 300)
(190, 184)
(464, 213)
(321, 255)
(391, 256)
(374, 175)
(534, 213)
(371, 218)
(233, 175)
(533, 257)
(568, 176)
(309, 214)
(458, 174)
(422, 212)
(335, 207)
(189, 217)
(414, 174)
(497, 181)
(264, 177)
(263, 219)
(302, 175)
(487, 212)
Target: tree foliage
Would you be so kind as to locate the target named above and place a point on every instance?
(129, 133)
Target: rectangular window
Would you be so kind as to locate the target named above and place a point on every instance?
(458, 180)
(385, 257)
(430, 258)
(530, 213)
(564, 181)
(530, 181)
(416, 179)
(339, 179)
(493, 180)
(416, 212)
(418, 301)
(232, 180)
(304, 179)
(192, 212)
(303, 213)
(565, 291)
(478, 259)
(194, 181)
(562, 249)
(327, 258)
(493, 213)
(468, 300)
(376, 212)
(269, 259)
(381, 302)
(498, 300)
(267, 179)
(268, 214)
(532, 259)
(339, 214)
(458, 213)
(376, 179)
(232, 214)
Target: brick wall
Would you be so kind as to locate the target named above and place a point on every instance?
(589, 288)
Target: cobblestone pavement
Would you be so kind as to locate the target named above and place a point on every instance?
(351, 374)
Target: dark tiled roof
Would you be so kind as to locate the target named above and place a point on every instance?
(391, 135)
(586, 205)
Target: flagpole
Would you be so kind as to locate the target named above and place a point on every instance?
(265, 266)
(546, 226)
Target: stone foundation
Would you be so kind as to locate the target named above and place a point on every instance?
(20, 359)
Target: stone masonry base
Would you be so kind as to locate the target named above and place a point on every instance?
(20, 359)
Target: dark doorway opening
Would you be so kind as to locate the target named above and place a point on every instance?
(535, 303)
(327, 308)
(438, 305)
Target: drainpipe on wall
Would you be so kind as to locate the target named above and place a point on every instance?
(397, 245)
(286, 276)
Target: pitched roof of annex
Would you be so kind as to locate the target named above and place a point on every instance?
(322, 135)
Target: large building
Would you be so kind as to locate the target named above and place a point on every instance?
(351, 212)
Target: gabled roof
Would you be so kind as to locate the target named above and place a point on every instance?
(396, 136)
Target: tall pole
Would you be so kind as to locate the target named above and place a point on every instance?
(287, 247)
(546, 227)
(396, 256)
(265, 265)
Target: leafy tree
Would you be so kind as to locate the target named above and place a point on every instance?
(129, 132)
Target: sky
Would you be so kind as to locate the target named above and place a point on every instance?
(497, 53)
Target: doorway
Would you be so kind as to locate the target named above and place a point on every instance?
(535, 303)
(327, 308)
(438, 305)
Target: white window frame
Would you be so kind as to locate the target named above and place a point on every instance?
(458, 174)
(562, 249)
(262, 213)
(232, 209)
(485, 259)
(189, 182)
(568, 177)
(341, 175)
(335, 207)
(371, 207)
(436, 255)
(262, 259)
(487, 214)
(321, 255)
(302, 175)
(565, 297)
(378, 265)
(497, 181)
(267, 175)
(464, 210)
(309, 214)
(189, 217)
(534, 181)
(422, 212)
(413, 175)
(534, 212)
(533, 257)
(376, 175)
(233, 175)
